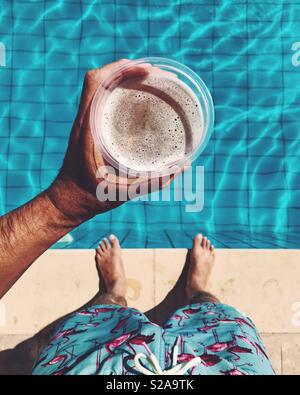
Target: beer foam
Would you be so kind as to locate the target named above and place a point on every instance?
(150, 123)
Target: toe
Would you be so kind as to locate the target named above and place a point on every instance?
(98, 252)
(197, 240)
(208, 243)
(204, 242)
(102, 246)
(106, 243)
(114, 241)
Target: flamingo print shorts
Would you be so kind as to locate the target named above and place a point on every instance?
(104, 339)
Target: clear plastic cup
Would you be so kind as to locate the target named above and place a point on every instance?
(192, 82)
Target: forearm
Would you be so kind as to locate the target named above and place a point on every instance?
(27, 232)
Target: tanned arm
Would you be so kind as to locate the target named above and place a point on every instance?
(25, 234)
(28, 231)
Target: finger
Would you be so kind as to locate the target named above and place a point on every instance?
(129, 72)
(187, 165)
(149, 184)
(118, 71)
(157, 70)
(94, 77)
(164, 182)
(157, 183)
(167, 181)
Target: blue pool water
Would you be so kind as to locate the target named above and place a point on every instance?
(241, 49)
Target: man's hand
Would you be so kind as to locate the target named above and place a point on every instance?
(28, 231)
(74, 190)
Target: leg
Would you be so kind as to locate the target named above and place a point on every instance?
(96, 331)
(112, 290)
(224, 338)
(201, 260)
(112, 274)
(192, 283)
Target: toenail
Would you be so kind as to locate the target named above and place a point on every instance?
(112, 237)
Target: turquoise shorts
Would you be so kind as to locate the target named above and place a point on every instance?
(207, 338)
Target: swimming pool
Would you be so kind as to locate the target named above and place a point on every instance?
(242, 50)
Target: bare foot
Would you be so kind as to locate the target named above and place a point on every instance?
(110, 264)
(202, 257)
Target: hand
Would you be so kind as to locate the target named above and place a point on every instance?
(29, 230)
(74, 190)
